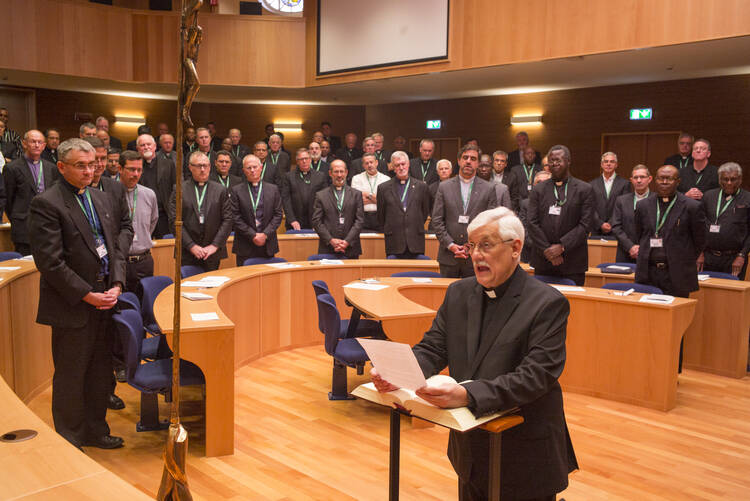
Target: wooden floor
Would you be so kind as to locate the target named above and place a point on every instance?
(291, 443)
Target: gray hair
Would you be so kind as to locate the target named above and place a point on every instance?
(609, 153)
(704, 141)
(196, 155)
(444, 161)
(423, 141)
(730, 168)
(509, 227)
(500, 153)
(86, 125)
(250, 157)
(563, 148)
(73, 144)
(399, 154)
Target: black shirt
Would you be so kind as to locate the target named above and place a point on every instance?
(705, 180)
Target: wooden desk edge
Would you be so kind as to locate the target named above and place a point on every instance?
(502, 423)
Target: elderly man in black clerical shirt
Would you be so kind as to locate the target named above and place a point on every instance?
(502, 333)
(701, 176)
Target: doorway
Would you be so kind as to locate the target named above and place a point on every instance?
(633, 148)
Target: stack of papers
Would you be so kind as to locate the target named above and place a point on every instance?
(331, 261)
(284, 265)
(702, 277)
(204, 317)
(209, 281)
(568, 288)
(365, 286)
(303, 235)
(196, 296)
(657, 299)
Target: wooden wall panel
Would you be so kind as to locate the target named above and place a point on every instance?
(486, 32)
(715, 108)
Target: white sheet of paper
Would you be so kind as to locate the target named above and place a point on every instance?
(617, 267)
(202, 317)
(9, 268)
(306, 235)
(284, 265)
(195, 296)
(421, 280)
(215, 278)
(568, 288)
(657, 299)
(701, 277)
(198, 283)
(365, 286)
(368, 234)
(331, 261)
(395, 362)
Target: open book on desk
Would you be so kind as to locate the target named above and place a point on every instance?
(459, 418)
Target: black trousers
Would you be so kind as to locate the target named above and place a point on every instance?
(162, 225)
(23, 249)
(462, 269)
(722, 263)
(210, 264)
(83, 376)
(371, 222)
(136, 270)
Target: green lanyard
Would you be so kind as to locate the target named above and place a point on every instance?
(200, 197)
(255, 201)
(719, 209)
(339, 201)
(557, 197)
(661, 220)
(635, 199)
(406, 188)
(135, 201)
(425, 169)
(40, 178)
(225, 185)
(97, 237)
(301, 176)
(317, 168)
(529, 172)
(373, 184)
(468, 198)
(697, 181)
(237, 151)
(608, 187)
(263, 172)
(274, 160)
(682, 166)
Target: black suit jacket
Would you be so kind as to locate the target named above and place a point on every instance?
(430, 176)
(448, 206)
(272, 175)
(521, 182)
(165, 180)
(334, 142)
(217, 217)
(678, 162)
(403, 229)
(115, 143)
(515, 360)
(2, 195)
(233, 181)
(117, 194)
(347, 155)
(514, 158)
(240, 151)
(734, 222)
(683, 237)
(708, 179)
(282, 163)
(298, 197)
(20, 189)
(325, 220)
(623, 226)
(65, 253)
(244, 218)
(570, 228)
(605, 206)
(49, 155)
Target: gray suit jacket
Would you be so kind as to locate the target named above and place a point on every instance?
(448, 206)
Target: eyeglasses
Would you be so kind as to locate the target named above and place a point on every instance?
(83, 166)
(201, 166)
(485, 246)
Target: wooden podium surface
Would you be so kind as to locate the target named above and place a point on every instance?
(617, 347)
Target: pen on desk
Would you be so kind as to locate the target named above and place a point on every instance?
(628, 292)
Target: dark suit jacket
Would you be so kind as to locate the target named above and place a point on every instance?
(570, 228)
(65, 253)
(2, 195)
(431, 175)
(449, 205)
(515, 361)
(356, 168)
(347, 155)
(734, 223)
(233, 180)
(514, 158)
(298, 197)
(605, 206)
(325, 220)
(683, 237)
(20, 189)
(322, 168)
(403, 229)
(217, 213)
(49, 155)
(521, 182)
(115, 143)
(676, 159)
(240, 151)
(117, 194)
(165, 180)
(282, 163)
(334, 142)
(623, 226)
(244, 218)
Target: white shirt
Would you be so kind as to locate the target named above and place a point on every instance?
(498, 178)
(466, 185)
(608, 183)
(365, 183)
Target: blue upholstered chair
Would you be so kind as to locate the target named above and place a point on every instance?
(6, 255)
(419, 256)
(623, 286)
(417, 273)
(128, 301)
(605, 268)
(263, 260)
(719, 274)
(547, 279)
(150, 378)
(346, 352)
(297, 232)
(318, 257)
(355, 326)
(189, 270)
(168, 235)
(154, 347)
(151, 287)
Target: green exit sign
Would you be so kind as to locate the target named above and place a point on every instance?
(434, 124)
(641, 114)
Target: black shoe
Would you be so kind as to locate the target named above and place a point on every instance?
(121, 375)
(114, 402)
(104, 442)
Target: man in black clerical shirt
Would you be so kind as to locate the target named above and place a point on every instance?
(424, 168)
(349, 152)
(53, 141)
(159, 175)
(222, 172)
(701, 177)
(338, 215)
(298, 192)
(683, 158)
(623, 215)
(727, 224)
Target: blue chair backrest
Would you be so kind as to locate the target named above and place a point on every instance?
(554, 280)
(152, 286)
(189, 270)
(168, 235)
(303, 230)
(417, 273)
(130, 332)
(5, 256)
(318, 257)
(128, 300)
(642, 288)
(263, 260)
(320, 287)
(330, 321)
(718, 274)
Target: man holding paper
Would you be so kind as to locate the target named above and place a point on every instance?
(503, 334)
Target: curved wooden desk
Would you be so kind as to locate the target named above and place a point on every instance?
(261, 310)
(632, 360)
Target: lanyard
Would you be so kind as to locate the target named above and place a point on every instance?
(697, 181)
(255, 201)
(682, 166)
(529, 172)
(557, 197)
(302, 177)
(719, 209)
(225, 185)
(425, 169)
(135, 201)
(406, 189)
(40, 178)
(373, 184)
(200, 197)
(661, 220)
(635, 198)
(468, 198)
(237, 151)
(90, 218)
(608, 186)
(274, 160)
(263, 172)
(317, 168)
(339, 201)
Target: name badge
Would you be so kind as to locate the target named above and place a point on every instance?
(201, 219)
(341, 220)
(656, 242)
(714, 228)
(463, 219)
(555, 210)
(528, 187)
(101, 250)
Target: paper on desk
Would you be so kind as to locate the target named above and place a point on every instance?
(9, 268)
(618, 267)
(306, 235)
(568, 288)
(365, 286)
(395, 363)
(657, 299)
(331, 261)
(284, 265)
(208, 282)
(703, 277)
(421, 280)
(202, 317)
(28, 258)
(371, 234)
(195, 296)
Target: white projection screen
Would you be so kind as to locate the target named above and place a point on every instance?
(355, 35)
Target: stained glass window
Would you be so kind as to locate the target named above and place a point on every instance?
(284, 7)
